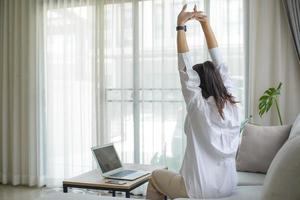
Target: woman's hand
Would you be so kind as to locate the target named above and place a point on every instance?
(183, 16)
(199, 16)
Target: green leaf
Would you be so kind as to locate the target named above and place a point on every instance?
(267, 99)
(263, 97)
(270, 91)
(261, 105)
(269, 104)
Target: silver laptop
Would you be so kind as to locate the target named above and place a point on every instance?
(111, 166)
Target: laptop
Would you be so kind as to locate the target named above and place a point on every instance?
(111, 166)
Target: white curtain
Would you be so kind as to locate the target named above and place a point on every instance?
(70, 68)
(21, 119)
(272, 60)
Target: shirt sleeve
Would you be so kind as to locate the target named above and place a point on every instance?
(217, 59)
(190, 80)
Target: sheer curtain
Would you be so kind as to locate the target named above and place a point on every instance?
(70, 63)
(111, 77)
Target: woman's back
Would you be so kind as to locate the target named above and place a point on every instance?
(208, 167)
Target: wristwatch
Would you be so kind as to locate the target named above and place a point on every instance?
(178, 28)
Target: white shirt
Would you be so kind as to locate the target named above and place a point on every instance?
(208, 166)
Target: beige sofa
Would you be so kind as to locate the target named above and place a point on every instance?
(282, 181)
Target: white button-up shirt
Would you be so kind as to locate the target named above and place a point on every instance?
(208, 166)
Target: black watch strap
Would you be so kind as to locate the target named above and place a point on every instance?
(178, 28)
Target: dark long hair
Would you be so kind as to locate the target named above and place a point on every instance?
(212, 85)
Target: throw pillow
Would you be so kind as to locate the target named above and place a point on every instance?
(259, 145)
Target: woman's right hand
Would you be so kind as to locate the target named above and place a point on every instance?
(183, 16)
(199, 16)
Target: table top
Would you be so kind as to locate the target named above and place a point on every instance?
(94, 179)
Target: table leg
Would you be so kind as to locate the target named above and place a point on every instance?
(65, 189)
(113, 193)
(127, 195)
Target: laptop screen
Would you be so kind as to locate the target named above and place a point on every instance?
(107, 158)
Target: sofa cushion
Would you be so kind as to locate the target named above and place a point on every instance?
(242, 193)
(74, 196)
(295, 131)
(248, 178)
(259, 145)
(283, 178)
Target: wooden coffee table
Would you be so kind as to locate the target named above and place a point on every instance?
(94, 180)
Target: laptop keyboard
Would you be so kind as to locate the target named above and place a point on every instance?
(123, 173)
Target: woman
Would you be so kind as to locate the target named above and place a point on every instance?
(211, 126)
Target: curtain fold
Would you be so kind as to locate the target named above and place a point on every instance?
(292, 10)
(20, 104)
(272, 59)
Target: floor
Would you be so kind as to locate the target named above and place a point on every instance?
(28, 193)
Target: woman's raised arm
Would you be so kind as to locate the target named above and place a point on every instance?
(182, 46)
(208, 32)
